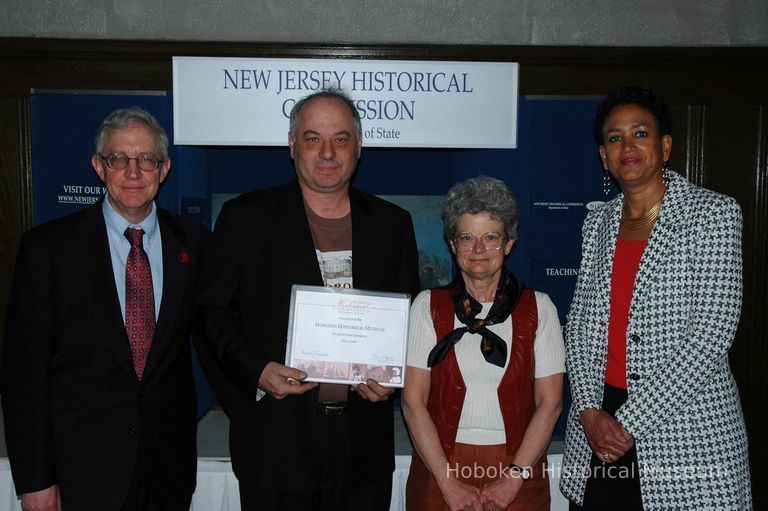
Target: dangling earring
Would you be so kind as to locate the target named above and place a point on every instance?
(665, 173)
(606, 183)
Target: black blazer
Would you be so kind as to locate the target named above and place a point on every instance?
(262, 246)
(75, 412)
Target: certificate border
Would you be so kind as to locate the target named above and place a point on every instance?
(289, 358)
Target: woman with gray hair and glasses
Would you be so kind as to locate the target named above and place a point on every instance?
(486, 363)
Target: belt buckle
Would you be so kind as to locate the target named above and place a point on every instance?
(332, 408)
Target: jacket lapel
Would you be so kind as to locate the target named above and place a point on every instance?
(364, 246)
(664, 234)
(300, 245)
(93, 265)
(175, 266)
(606, 250)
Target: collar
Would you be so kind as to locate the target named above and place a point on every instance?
(117, 224)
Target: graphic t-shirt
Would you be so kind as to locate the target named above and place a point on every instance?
(333, 245)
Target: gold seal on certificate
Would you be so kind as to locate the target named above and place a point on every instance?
(346, 336)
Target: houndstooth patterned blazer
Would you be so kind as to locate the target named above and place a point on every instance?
(683, 406)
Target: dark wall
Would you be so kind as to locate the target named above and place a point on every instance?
(720, 109)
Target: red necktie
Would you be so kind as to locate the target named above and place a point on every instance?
(139, 301)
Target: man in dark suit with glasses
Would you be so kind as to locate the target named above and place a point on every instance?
(98, 394)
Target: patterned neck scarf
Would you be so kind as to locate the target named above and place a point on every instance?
(494, 348)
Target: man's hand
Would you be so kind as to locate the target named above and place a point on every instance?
(279, 381)
(372, 391)
(43, 500)
(608, 439)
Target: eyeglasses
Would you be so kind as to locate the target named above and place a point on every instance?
(465, 241)
(146, 162)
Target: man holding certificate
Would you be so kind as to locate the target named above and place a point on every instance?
(298, 445)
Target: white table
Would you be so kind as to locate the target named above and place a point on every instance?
(217, 487)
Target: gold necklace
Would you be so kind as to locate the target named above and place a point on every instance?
(635, 224)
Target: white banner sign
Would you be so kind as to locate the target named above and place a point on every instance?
(230, 101)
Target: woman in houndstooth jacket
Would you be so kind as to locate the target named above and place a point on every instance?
(655, 421)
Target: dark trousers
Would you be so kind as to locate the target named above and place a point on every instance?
(140, 498)
(332, 471)
(616, 485)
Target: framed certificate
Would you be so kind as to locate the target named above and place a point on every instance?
(346, 336)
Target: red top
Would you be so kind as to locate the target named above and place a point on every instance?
(625, 263)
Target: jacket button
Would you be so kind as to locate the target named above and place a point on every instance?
(634, 338)
(634, 376)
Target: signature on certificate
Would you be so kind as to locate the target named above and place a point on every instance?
(314, 353)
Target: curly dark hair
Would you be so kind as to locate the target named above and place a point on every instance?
(633, 95)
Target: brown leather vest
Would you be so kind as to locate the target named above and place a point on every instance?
(447, 391)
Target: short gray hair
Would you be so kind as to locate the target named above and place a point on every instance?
(480, 195)
(325, 93)
(124, 117)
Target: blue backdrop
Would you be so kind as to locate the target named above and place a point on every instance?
(554, 173)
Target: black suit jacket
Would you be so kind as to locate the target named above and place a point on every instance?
(75, 413)
(262, 245)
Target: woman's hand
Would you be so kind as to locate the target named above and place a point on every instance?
(499, 494)
(608, 439)
(460, 496)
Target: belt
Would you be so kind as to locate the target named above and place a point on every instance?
(332, 408)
